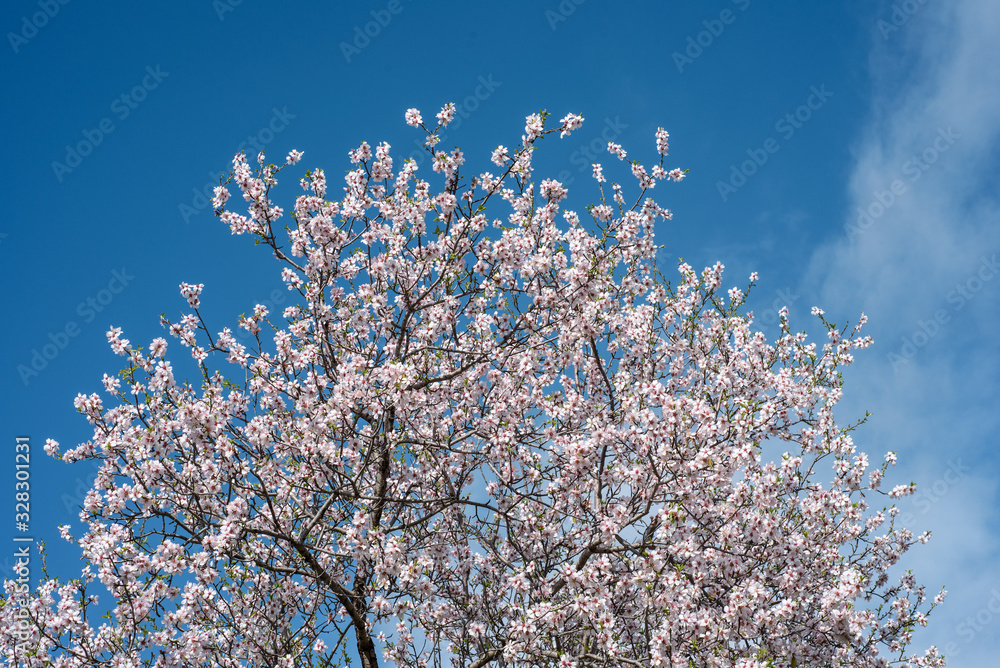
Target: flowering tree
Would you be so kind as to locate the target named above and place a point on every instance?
(507, 441)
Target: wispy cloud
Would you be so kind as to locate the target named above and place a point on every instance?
(917, 254)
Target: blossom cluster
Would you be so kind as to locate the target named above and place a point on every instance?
(477, 436)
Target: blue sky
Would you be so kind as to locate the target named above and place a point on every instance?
(846, 151)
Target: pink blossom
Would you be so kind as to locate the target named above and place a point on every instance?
(616, 150)
(552, 190)
(499, 156)
(661, 141)
(532, 127)
(221, 197)
(485, 429)
(413, 117)
(446, 115)
(569, 123)
(191, 292)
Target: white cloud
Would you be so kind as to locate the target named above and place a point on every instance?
(934, 131)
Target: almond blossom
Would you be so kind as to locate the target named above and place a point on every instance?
(489, 432)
